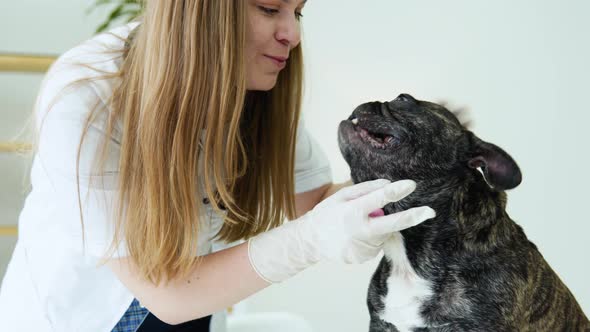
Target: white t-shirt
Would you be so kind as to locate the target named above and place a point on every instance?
(51, 284)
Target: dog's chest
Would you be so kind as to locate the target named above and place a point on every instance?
(406, 291)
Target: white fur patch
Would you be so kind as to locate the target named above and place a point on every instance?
(406, 291)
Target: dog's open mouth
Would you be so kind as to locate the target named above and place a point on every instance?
(377, 140)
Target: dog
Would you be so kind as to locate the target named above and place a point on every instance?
(471, 268)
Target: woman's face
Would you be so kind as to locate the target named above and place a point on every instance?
(272, 31)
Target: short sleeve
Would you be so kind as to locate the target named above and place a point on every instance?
(312, 168)
(61, 123)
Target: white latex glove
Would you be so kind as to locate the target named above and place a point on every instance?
(338, 229)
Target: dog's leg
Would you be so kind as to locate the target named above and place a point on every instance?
(378, 325)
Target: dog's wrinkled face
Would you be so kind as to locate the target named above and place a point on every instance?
(411, 139)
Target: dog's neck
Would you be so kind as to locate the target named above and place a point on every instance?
(471, 219)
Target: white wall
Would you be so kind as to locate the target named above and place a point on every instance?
(520, 66)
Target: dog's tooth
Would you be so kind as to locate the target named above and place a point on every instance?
(355, 121)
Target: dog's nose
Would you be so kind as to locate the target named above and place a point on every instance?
(405, 97)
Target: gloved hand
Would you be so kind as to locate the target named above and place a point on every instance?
(338, 229)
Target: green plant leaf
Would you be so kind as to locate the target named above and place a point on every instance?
(128, 9)
(99, 3)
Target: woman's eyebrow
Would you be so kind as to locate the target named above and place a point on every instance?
(287, 1)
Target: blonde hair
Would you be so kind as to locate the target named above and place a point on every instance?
(183, 71)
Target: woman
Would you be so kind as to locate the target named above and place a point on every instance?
(162, 147)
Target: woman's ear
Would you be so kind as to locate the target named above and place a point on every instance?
(499, 169)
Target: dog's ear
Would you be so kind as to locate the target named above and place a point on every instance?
(499, 169)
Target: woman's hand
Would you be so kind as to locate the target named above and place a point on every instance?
(338, 229)
(341, 229)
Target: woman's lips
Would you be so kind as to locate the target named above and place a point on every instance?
(280, 62)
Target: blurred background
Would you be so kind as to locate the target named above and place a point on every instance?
(521, 67)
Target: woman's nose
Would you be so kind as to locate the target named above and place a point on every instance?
(288, 31)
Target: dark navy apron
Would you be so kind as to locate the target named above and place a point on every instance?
(139, 319)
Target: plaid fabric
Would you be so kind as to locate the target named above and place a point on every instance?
(132, 318)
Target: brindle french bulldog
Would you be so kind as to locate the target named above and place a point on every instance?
(471, 268)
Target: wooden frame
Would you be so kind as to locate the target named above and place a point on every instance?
(25, 63)
(12, 147)
(8, 231)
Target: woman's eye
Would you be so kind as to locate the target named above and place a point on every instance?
(268, 11)
(272, 11)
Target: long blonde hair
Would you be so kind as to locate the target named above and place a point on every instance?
(183, 71)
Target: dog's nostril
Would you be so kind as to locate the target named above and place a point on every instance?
(405, 97)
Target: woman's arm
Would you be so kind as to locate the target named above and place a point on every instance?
(307, 200)
(220, 280)
(334, 188)
(338, 230)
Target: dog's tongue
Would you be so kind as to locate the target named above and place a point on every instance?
(377, 213)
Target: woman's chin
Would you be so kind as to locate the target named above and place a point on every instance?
(262, 85)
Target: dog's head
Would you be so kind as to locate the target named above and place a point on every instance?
(419, 140)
